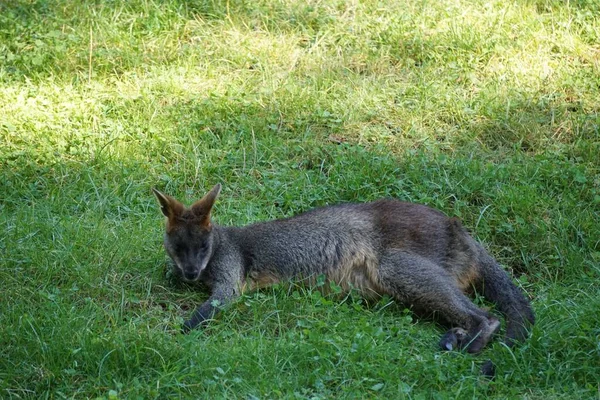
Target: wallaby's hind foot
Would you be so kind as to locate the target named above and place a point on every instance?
(474, 341)
(453, 339)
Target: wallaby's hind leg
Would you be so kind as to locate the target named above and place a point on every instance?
(418, 282)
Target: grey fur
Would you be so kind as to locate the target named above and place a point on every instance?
(411, 252)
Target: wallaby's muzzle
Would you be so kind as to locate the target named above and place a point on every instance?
(191, 275)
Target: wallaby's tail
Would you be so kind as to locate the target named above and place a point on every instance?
(509, 299)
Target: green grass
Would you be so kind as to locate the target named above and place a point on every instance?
(488, 110)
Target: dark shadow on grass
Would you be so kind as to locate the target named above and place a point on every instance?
(531, 123)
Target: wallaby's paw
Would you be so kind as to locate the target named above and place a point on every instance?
(187, 327)
(448, 342)
(453, 339)
(458, 338)
(480, 337)
(494, 326)
(475, 345)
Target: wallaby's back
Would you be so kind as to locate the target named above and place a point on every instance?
(333, 239)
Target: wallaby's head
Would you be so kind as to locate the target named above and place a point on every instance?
(189, 235)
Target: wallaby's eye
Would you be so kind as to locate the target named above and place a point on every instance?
(179, 248)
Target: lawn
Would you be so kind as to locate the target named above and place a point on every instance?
(487, 110)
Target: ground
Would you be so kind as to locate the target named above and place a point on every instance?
(487, 110)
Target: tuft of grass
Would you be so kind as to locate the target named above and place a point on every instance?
(487, 110)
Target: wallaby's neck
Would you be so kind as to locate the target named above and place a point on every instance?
(217, 234)
(226, 236)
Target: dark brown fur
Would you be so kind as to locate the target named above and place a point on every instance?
(411, 252)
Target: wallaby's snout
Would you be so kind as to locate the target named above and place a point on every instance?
(191, 274)
(188, 263)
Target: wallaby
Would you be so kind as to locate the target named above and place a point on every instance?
(411, 252)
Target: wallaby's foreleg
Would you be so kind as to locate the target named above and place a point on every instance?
(219, 298)
(418, 282)
(226, 282)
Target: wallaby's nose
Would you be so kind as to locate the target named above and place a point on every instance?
(190, 275)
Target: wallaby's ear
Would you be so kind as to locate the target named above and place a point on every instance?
(202, 207)
(169, 206)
